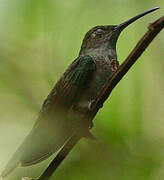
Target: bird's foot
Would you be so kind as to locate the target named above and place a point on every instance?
(90, 104)
(93, 103)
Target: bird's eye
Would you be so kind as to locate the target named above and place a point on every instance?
(100, 31)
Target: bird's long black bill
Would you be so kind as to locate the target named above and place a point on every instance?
(126, 23)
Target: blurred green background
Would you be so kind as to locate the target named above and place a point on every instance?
(39, 39)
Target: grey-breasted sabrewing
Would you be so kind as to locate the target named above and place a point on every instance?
(63, 113)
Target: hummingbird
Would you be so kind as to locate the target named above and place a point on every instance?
(68, 109)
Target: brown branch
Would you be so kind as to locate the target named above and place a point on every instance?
(144, 42)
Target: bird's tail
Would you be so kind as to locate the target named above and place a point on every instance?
(12, 164)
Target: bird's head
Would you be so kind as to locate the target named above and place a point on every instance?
(102, 38)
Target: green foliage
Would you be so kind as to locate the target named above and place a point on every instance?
(39, 39)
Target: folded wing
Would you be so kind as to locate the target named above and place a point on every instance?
(54, 125)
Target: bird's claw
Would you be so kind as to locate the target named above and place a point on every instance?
(90, 105)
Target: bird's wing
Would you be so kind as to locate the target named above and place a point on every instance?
(54, 126)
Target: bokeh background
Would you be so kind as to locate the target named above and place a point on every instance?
(38, 40)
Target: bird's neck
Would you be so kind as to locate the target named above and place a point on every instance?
(107, 53)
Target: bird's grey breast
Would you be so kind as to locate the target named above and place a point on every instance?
(99, 77)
